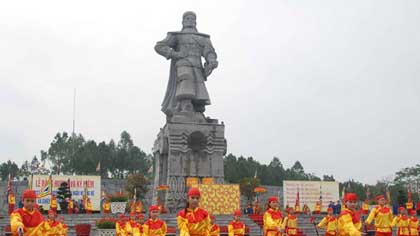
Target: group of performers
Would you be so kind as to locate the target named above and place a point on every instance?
(275, 224)
(196, 221)
(72, 205)
(349, 222)
(192, 221)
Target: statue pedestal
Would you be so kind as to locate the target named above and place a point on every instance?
(189, 145)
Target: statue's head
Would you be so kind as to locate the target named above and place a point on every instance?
(189, 20)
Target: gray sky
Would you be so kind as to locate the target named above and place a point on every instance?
(334, 84)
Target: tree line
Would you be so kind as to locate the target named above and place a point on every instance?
(73, 154)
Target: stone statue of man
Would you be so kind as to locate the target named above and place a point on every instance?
(186, 91)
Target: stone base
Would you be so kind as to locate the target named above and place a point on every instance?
(189, 145)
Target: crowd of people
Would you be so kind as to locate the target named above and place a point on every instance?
(196, 221)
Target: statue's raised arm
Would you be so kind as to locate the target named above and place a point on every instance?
(186, 91)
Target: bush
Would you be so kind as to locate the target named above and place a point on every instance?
(118, 199)
(106, 223)
(136, 183)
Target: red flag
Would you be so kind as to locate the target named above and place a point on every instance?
(312, 219)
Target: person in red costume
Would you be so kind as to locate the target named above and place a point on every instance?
(290, 223)
(383, 217)
(106, 206)
(273, 218)
(402, 222)
(329, 222)
(88, 206)
(53, 203)
(154, 226)
(28, 220)
(193, 220)
(318, 207)
(70, 206)
(414, 224)
(55, 226)
(120, 226)
(349, 223)
(132, 227)
(236, 227)
(215, 229)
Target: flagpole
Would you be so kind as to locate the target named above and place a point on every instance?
(31, 180)
(74, 122)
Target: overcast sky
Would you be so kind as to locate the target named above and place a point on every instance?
(334, 84)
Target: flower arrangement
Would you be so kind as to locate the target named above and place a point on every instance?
(119, 197)
(106, 223)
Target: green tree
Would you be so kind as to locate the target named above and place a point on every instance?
(328, 178)
(355, 187)
(231, 169)
(137, 183)
(296, 172)
(25, 169)
(409, 175)
(7, 168)
(274, 173)
(74, 155)
(238, 168)
(61, 152)
(247, 186)
(85, 160)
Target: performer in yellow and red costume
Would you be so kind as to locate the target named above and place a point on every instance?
(70, 206)
(132, 227)
(402, 222)
(88, 206)
(140, 221)
(106, 206)
(318, 207)
(154, 226)
(348, 222)
(236, 227)
(53, 203)
(65, 228)
(383, 217)
(329, 222)
(414, 224)
(409, 205)
(290, 223)
(120, 226)
(138, 207)
(365, 207)
(28, 219)
(272, 218)
(55, 227)
(215, 229)
(193, 220)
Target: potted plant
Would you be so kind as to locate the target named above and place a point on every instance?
(118, 203)
(82, 229)
(106, 227)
